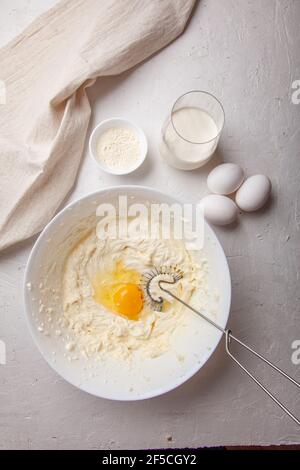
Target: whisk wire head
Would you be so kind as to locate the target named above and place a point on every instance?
(158, 275)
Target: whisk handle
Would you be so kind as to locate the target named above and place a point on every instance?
(228, 337)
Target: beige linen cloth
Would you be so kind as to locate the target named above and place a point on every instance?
(46, 70)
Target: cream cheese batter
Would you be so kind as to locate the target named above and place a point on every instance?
(99, 330)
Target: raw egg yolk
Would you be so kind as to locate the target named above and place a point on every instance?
(128, 301)
(118, 291)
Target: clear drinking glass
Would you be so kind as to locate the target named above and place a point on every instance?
(191, 132)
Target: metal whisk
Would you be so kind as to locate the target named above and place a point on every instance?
(170, 275)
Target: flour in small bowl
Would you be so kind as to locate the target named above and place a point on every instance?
(118, 148)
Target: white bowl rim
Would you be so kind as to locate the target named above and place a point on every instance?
(141, 136)
(182, 379)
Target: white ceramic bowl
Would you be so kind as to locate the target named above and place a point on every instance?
(112, 379)
(118, 122)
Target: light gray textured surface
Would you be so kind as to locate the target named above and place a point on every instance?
(247, 53)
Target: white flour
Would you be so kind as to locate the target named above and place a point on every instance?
(118, 148)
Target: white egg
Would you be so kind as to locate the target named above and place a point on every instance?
(219, 210)
(253, 193)
(225, 178)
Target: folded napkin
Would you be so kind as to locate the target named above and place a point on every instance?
(46, 71)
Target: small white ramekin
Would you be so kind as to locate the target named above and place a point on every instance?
(118, 122)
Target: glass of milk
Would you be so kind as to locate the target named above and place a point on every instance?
(191, 133)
